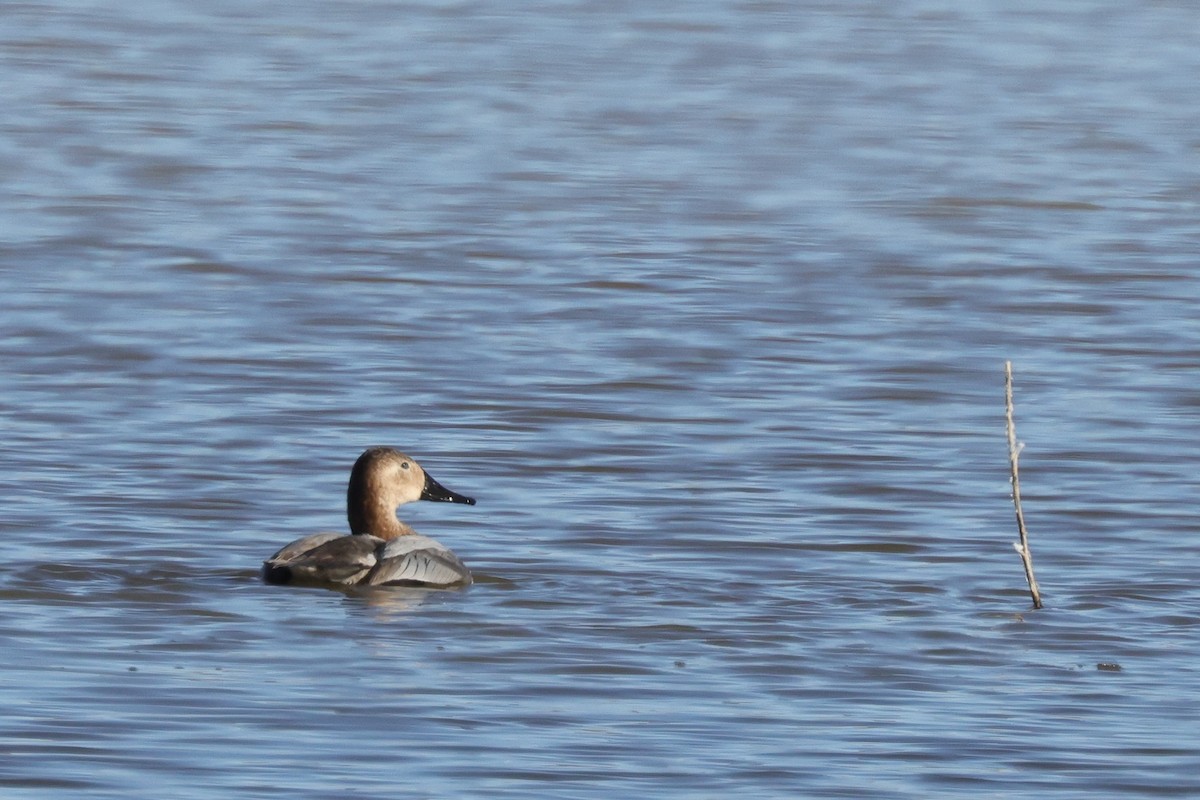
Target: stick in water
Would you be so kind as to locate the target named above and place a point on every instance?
(1014, 450)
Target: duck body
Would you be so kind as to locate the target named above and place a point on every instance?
(366, 560)
(380, 549)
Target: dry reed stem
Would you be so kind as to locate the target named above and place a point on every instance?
(1014, 450)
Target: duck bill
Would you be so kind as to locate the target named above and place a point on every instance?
(438, 493)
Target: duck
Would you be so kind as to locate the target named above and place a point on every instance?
(380, 549)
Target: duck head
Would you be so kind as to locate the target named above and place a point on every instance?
(384, 479)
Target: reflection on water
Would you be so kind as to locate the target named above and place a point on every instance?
(388, 602)
(711, 305)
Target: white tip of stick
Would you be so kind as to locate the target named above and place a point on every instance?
(1020, 550)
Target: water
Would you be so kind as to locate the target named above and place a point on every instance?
(707, 305)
